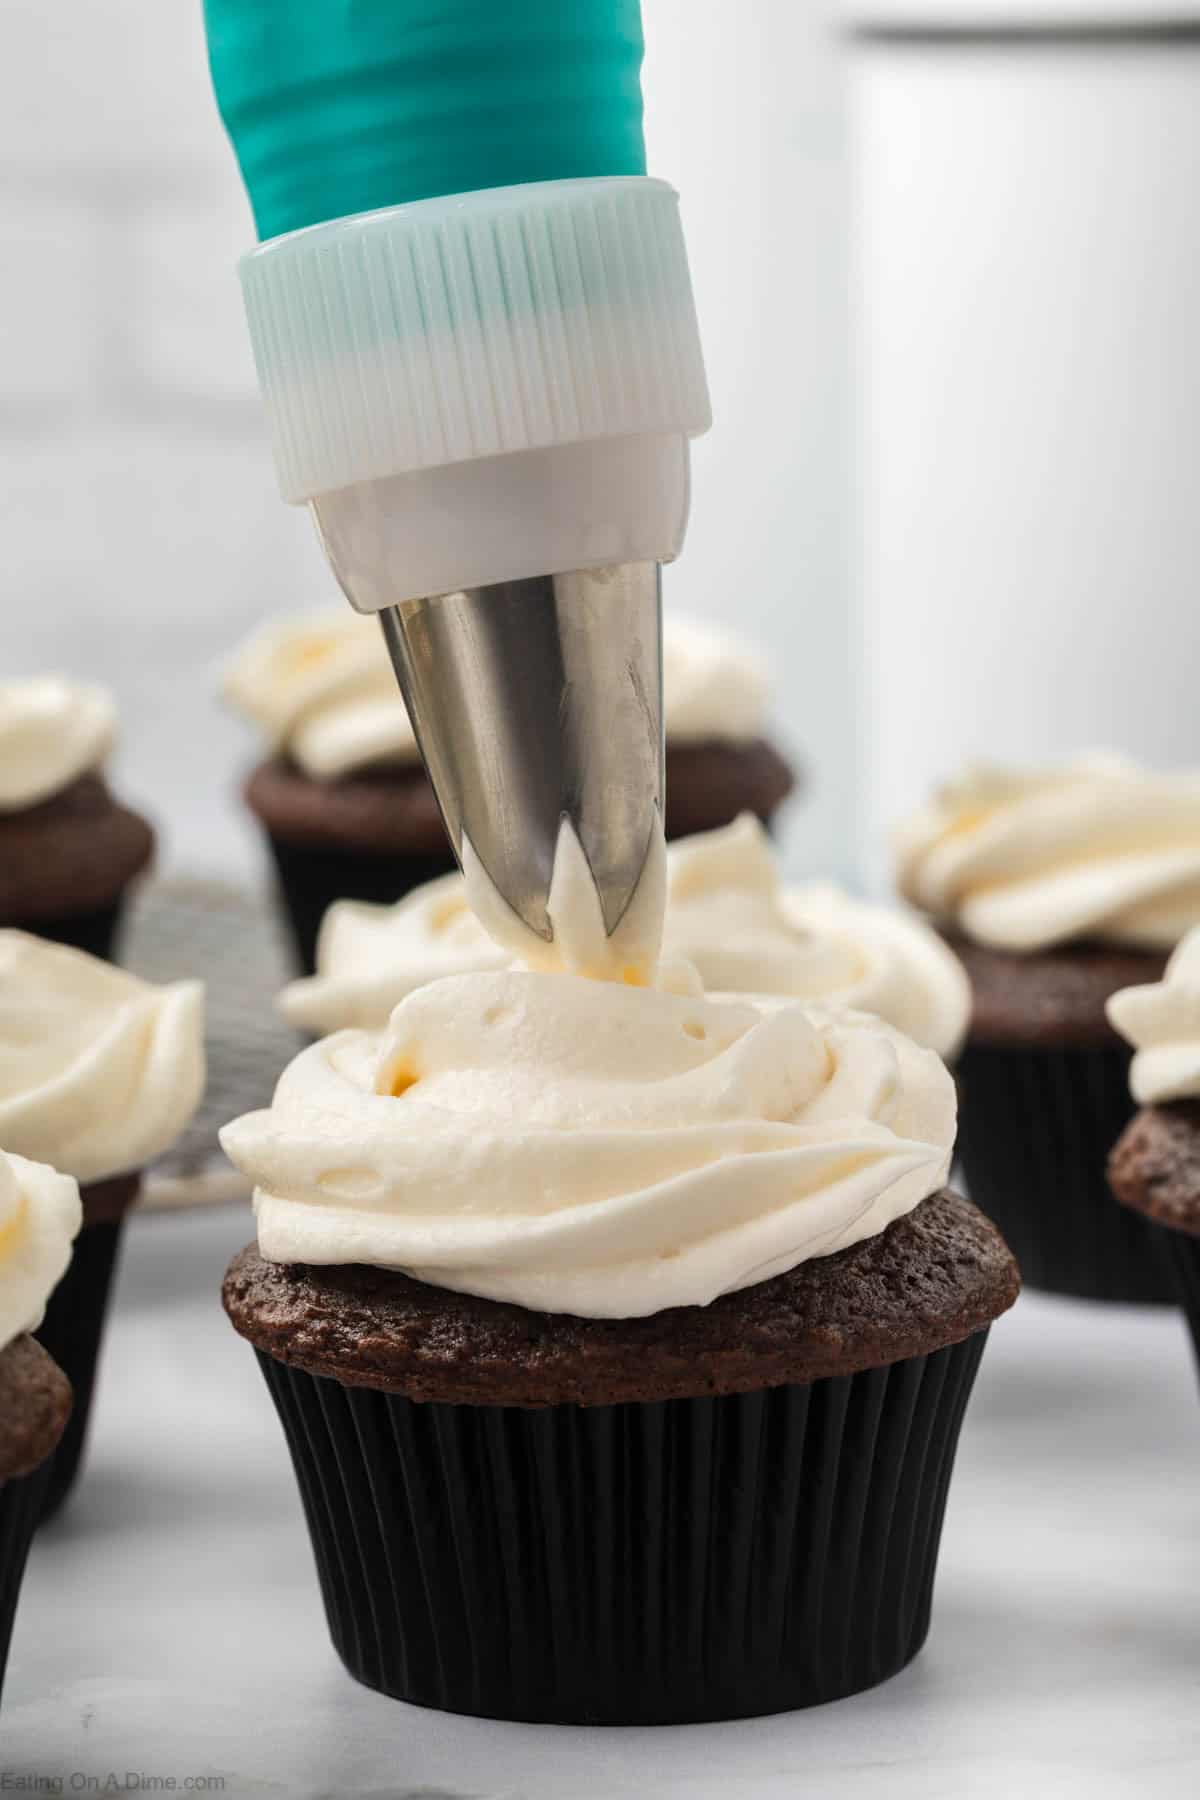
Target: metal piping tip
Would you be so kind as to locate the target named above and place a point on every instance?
(534, 701)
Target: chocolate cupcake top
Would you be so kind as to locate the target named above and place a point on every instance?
(35, 1404)
(321, 689)
(99, 1071)
(1161, 1019)
(52, 731)
(1154, 1166)
(1094, 850)
(938, 1274)
(728, 914)
(593, 1148)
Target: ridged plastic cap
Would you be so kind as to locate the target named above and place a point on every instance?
(475, 325)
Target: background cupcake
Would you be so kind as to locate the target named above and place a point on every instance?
(1155, 1166)
(39, 1217)
(99, 1073)
(1056, 888)
(68, 850)
(580, 1303)
(728, 914)
(344, 798)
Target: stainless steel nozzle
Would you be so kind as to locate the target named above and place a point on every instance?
(538, 699)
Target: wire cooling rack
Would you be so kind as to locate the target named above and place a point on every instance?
(229, 939)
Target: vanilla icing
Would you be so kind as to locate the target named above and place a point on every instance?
(52, 731)
(1161, 1019)
(99, 1071)
(594, 1148)
(1095, 848)
(40, 1214)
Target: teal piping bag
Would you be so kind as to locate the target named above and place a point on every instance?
(470, 308)
(473, 325)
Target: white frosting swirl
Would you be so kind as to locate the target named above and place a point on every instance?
(587, 1147)
(1096, 848)
(727, 914)
(99, 1071)
(40, 1213)
(52, 731)
(321, 687)
(1162, 1021)
(714, 686)
(369, 958)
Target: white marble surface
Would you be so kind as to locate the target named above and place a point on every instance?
(170, 1624)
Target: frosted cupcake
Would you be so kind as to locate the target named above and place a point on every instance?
(728, 914)
(99, 1073)
(68, 850)
(39, 1217)
(621, 1336)
(1056, 888)
(1155, 1166)
(343, 796)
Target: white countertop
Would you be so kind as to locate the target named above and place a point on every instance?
(170, 1624)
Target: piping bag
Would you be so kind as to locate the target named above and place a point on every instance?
(473, 326)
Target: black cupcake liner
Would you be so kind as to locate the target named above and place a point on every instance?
(1181, 1253)
(1035, 1129)
(72, 1331)
(674, 1561)
(21, 1503)
(98, 931)
(311, 878)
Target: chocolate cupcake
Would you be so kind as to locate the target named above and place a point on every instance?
(728, 915)
(99, 1073)
(39, 1216)
(1056, 888)
(344, 799)
(621, 1340)
(1154, 1168)
(68, 850)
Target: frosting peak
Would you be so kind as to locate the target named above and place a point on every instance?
(1162, 1021)
(581, 944)
(98, 1070)
(587, 1147)
(52, 731)
(40, 1214)
(1095, 848)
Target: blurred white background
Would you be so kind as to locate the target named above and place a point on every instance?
(1018, 286)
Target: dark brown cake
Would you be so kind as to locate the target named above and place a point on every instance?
(35, 1403)
(1155, 1165)
(1049, 998)
(72, 853)
(708, 785)
(393, 810)
(929, 1280)
(385, 810)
